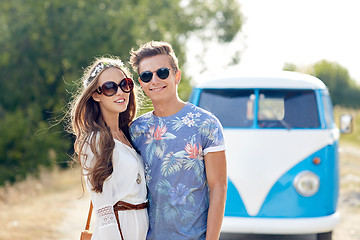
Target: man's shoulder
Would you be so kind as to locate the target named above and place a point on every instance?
(140, 125)
(204, 113)
(143, 118)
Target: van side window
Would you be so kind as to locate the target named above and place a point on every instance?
(233, 107)
(288, 109)
(328, 112)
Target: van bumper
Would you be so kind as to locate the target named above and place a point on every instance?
(280, 225)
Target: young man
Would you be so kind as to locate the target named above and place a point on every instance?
(183, 151)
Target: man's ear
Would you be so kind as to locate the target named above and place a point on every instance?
(178, 76)
(141, 82)
(95, 96)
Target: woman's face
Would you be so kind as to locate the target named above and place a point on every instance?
(117, 103)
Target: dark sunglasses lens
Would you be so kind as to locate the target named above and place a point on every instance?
(109, 88)
(126, 85)
(162, 73)
(146, 76)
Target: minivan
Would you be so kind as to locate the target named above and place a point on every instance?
(282, 152)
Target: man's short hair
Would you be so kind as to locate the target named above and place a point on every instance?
(150, 49)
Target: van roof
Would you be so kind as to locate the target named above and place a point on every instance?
(283, 79)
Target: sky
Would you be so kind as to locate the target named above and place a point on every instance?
(275, 32)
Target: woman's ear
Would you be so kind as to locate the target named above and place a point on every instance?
(95, 96)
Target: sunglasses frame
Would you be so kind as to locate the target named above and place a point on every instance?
(99, 90)
(152, 74)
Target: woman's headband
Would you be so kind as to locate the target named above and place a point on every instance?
(100, 67)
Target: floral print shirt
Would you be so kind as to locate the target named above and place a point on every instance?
(173, 150)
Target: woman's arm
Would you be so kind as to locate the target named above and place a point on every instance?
(107, 227)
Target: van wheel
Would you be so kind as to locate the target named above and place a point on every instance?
(324, 236)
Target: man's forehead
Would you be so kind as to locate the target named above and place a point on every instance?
(154, 62)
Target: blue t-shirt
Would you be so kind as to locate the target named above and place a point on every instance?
(173, 150)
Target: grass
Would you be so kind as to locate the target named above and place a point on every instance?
(33, 209)
(354, 137)
(350, 161)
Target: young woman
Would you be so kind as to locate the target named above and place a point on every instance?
(113, 171)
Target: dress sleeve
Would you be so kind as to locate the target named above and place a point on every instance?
(106, 224)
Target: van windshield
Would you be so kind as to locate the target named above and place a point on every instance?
(288, 109)
(276, 108)
(233, 107)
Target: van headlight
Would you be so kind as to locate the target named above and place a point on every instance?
(307, 183)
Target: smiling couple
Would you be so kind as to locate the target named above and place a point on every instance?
(173, 156)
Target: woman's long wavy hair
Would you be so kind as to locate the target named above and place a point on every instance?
(89, 127)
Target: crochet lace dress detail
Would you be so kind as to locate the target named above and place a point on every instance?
(106, 216)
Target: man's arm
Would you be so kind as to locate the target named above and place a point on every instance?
(215, 164)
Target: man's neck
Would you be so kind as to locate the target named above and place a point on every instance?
(165, 109)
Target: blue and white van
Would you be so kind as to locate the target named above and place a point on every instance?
(282, 153)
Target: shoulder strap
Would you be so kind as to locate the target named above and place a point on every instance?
(89, 217)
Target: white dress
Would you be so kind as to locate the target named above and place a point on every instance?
(120, 186)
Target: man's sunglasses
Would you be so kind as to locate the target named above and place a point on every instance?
(162, 73)
(110, 88)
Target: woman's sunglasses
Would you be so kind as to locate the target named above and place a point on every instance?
(110, 88)
(162, 73)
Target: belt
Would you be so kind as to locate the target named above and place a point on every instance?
(123, 206)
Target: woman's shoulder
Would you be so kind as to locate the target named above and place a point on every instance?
(90, 137)
(89, 147)
(90, 141)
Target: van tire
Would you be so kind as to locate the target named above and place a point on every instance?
(324, 236)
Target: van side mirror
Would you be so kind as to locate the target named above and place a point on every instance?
(346, 123)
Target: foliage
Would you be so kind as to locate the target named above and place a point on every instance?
(45, 45)
(23, 150)
(289, 67)
(343, 90)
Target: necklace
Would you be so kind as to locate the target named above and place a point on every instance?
(138, 179)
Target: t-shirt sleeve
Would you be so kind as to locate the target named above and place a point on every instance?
(212, 133)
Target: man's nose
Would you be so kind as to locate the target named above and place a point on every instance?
(155, 78)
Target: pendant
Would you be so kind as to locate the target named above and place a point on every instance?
(138, 180)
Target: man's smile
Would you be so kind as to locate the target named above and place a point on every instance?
(157, 89)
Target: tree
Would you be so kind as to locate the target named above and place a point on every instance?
(45, 45)
(343, 90)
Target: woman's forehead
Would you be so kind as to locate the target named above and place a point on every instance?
(111, 74)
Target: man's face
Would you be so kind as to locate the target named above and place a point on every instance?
(158, 89)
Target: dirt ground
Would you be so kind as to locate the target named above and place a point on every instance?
(349, 200)
(54, 208)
